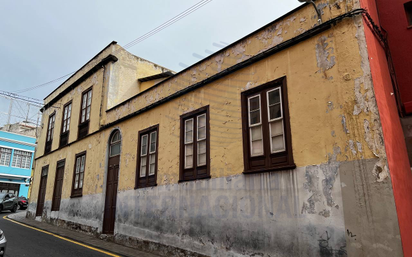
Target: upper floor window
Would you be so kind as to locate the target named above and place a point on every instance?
(147, 157)
(5, 156)
(78, 175)
(85, 113)
(64, 136)
(21, 159)
(194, 145)
(266, 128)
(408, 11)
(50, 130)
(86, 103)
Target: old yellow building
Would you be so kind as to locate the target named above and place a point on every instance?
(270, 146)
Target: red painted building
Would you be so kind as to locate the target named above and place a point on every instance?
(391, 68)
(395, 17)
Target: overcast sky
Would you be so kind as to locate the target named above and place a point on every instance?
(45, 39)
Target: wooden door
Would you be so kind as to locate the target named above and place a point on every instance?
(58, 185)
(42, 191)
(111, 195)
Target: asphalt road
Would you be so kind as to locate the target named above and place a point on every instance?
(23, 241)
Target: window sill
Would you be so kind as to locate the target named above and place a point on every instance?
(76, 195)
(277, 168)
(140, 187)
(188, 180)
(84, 123)
(61, 146)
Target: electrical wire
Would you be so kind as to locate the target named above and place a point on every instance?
(136, 41)
(41, 85)
(30, 100)
(168, 23)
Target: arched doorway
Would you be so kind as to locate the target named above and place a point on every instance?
(112, 182)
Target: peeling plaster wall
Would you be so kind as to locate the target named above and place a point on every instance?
(271, 35)
(335, 130)
(239, 215)
(397, 156)
(86, 211)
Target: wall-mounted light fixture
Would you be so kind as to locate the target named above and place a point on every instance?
(316, 8)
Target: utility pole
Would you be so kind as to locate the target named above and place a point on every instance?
(27, 114)
(14, 105)
(37, 125)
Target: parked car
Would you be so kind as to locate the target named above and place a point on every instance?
(3, 243)
(22, 201)
(8, 201)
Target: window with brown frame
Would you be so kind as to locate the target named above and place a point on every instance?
(147, 152)
(78, 174)
(85, 109)
(408, 11)
(50, 130)
(64, 135)
(267, 143)
(195, 145)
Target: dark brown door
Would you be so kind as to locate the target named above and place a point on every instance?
(58, 185)
(111, 195)
(42, 191)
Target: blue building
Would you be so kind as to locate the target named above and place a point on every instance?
(16, 160)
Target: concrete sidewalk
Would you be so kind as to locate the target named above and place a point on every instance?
(80, 237)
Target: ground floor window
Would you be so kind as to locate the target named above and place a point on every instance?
(147, 157)
(78, 176)
(195, 145)
(267, 140)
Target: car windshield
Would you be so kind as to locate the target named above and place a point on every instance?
(2, 195)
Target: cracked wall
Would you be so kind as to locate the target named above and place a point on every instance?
(336, 134)
(269, 36)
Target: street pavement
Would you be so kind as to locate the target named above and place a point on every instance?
(26, 241)
(23, 241)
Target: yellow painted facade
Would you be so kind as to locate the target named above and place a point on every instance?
(318, 100)
(328, 88)
(143, 86)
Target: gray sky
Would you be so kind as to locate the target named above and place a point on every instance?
(46, 39)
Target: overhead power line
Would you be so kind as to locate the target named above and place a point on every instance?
(168, 23)
(32, 101)
(135, 41)
(30, 120)
(42, 85)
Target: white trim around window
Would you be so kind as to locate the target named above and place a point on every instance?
(275, 123)
(255, 128)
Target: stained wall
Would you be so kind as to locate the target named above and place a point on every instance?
(315, 209)
(393, 137)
